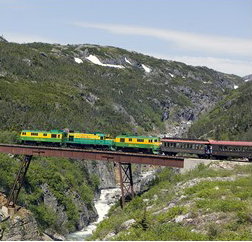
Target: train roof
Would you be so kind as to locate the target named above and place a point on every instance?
(95, 133)
(43, 131)
(136, 136)
(235, 143)
(191, 141)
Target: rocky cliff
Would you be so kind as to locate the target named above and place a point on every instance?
(22, 226)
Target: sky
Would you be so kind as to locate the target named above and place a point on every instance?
(212, 33)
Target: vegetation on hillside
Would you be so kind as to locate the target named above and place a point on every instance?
(230, 119)
(42, 87)
(202, 204)
(60, 177)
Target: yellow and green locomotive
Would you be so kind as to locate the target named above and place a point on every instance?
(93, 140)
(38, 137)
(65, 138)
(135, 143)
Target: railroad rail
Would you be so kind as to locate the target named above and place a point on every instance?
(123, 159)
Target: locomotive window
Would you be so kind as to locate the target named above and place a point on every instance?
(140, 140)
(122, 140)
(34, 134)
(53, 136)
(44, 134)
(130, 140)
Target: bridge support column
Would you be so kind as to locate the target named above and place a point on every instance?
(126, 182)
(18, 182)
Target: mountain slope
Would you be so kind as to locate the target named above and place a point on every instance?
(230, 119)
(46, 86)
(211, 202)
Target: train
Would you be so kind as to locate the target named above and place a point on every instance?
(97, 140)
(135, 143)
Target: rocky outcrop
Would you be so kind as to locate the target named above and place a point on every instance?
(21, 226)
(104, 170)
(86, 214)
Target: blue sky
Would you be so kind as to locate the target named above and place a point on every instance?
(212, 33)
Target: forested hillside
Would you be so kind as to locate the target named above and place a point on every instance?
(230, 119)
(94, 88)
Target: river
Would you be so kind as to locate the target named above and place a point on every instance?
(102, 208)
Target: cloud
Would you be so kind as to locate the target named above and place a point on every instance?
(237, 67)
(183, 40)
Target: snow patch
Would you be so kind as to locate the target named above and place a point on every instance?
(96, 61)
(246, 80)
(78, 60)
(235, 86)
(147, 69)
(171, 75)
(128, 61)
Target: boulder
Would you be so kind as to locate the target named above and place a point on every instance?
(127, 224)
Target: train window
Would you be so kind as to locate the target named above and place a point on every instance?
(44, 134)
(130, 140)
(102, 138)
(140, 140)
(155, 140)
(122, 140)
(58, 135)
(34, 134)
(23, 133)
(53, 135)
(150, 140)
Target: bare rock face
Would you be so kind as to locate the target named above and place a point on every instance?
(22, 226)
(104, 171)
(86, 215)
